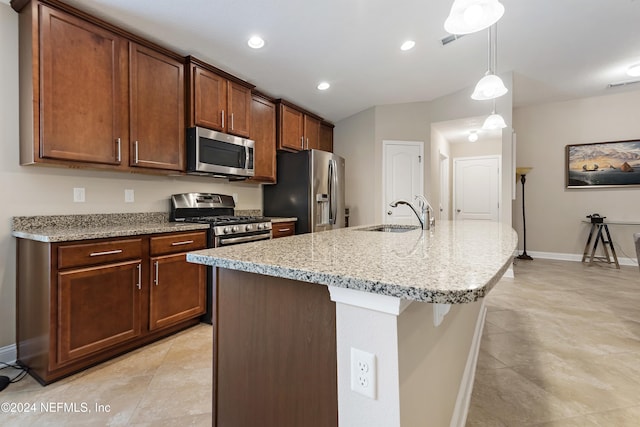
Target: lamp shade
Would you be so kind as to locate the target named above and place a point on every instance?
(494, 121)
(489, 87)
(469, 16)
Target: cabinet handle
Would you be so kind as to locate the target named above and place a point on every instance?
(139, 267)
(116, 251)
(282, 230)
(184, 242)
(302, 142)
(155, 280)
(135, 152)
(307, 143)
(222, 113)
(119, 142)
(231, 121)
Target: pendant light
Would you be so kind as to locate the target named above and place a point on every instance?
(494, 121)
(490, 86)
(469, 16)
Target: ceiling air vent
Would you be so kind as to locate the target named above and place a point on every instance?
(451, 38)
(620, 84)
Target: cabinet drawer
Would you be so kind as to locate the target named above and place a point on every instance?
(174, 243)
(98, 253)
(283, 229)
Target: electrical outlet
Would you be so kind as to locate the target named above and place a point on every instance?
(363, 373)
(128, 196)
(78, 194)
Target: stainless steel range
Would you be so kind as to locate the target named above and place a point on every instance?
(225, 229)
(218, 211)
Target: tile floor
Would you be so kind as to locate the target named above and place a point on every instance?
(561, 347)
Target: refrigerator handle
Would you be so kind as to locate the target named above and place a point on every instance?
(333, 186)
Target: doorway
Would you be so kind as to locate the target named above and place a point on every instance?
(444, 187)
(476, 188)
(403, 178)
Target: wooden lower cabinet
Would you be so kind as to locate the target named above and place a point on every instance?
(98, 307)
(176, 293)
(283, 229)
(81, 303)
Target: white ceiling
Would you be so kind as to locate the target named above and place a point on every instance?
(557, 49)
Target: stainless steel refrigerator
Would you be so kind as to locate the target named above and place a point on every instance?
(310, 187)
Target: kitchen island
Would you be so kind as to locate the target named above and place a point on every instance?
(279, 331)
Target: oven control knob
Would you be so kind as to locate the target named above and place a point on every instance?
(226, 230)
(260, 226)
(235, 228)
(248, 227)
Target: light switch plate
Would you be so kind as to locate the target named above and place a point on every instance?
(129, 195)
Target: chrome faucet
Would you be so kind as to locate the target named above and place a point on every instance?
(426, 218)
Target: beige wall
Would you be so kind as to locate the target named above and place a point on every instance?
(356, 144)
(36, 190)
(553, 212)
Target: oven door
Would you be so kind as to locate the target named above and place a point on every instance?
(217, 153)
(220, 241)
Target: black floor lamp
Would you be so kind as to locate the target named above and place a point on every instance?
(523, 178)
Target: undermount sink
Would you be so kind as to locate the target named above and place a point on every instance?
(391, 228)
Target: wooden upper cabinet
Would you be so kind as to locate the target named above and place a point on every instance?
(217, 100)
(263, 132)
(297, 129)
(239, 102)
(311, 132)
(81, 91)
(290, 128)
(326, 136)
(210, 99)
(157, 130)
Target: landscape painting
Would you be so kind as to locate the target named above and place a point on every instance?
(603, 164)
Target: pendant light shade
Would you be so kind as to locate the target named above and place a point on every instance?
(469, 16)
(494, 121)
(489, 87)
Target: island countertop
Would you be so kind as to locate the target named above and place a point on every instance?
(455, 262)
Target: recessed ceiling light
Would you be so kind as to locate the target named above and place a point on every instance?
(473, 136)
(409, 44)
(323, 86)
(255, 42)
(634, 70)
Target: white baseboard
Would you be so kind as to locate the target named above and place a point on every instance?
(8, 354)
(576, 257)
(459, 417)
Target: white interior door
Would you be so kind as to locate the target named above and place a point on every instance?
(403, 172)
(476, 188)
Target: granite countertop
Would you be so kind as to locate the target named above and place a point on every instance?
(64, 228)
(456, 262)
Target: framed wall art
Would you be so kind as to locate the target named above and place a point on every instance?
(603, 164)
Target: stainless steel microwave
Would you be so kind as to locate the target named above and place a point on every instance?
(216, 153)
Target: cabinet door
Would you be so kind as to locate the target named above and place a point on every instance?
(177, 290)
(98, 307)
(326, 137)
(311, 133)
(239, 117)
(81, 90)
(263, 132)
(209, 98)
(157, 110)
(291, 127)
